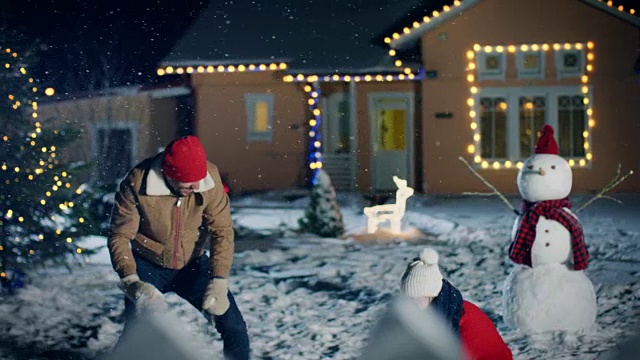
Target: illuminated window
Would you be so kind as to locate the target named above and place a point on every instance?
(532, 112)
(392, 129)
(572, 123)
(259, 108)
(491, 65)
(530, 64)
(262, 117)
(493, 127)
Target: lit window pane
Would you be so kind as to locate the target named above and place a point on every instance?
(500, 130)
(259, 112)
(493, 127)
(578, 124)
(486, 134)
(571, 125)
(532, 118)
(392, 129)
(564, 132)
(262, 116)
(531, 61)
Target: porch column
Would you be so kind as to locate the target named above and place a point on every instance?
(353, 113)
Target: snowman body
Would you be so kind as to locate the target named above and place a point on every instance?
(549, 295)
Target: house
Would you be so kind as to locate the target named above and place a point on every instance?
(370, 89)
(120, 126)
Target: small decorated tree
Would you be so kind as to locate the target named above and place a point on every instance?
(43, 210)
(322, 216)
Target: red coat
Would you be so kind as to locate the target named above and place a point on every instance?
(480, 337)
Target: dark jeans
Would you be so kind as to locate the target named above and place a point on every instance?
(190, 283)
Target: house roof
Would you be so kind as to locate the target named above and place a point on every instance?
(312, 36)
(401, 38)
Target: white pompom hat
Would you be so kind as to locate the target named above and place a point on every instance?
(422, 277)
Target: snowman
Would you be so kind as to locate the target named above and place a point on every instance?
(548, 289)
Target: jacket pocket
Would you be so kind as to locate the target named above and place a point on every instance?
(148, 248)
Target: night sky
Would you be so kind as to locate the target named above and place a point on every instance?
(92, 44)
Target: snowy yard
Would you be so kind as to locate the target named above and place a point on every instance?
(305, 297)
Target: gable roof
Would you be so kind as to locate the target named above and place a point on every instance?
(411, 33)
(310, 36)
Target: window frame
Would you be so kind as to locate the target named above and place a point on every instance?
(250, 100)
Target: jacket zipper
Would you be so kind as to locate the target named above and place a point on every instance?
(176, 237)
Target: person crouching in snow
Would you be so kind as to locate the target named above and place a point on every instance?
(423, 283)
(164, 211)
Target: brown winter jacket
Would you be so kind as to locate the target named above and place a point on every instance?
(166, 229)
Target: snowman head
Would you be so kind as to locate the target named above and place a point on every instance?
(545, 175)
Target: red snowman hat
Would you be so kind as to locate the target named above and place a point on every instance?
(547, 143)
(185, 160)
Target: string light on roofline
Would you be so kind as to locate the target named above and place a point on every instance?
(406, 75)
(203, 68)
(620, 8)
(353, 78)
(417, 24)
(445, 9)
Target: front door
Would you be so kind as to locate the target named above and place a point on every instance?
(391, 118)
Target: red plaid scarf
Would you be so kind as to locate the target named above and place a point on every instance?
(520, 249)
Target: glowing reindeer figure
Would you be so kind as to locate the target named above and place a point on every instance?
(391, 212)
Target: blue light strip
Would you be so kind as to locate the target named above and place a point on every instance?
(315, 135)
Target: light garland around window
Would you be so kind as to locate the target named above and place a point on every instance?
(472, 76)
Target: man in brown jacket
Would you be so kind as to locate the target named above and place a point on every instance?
(163, 213)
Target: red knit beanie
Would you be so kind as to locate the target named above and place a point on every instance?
(547, 143)
(185, 160)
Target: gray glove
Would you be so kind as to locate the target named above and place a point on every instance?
(215, 300)
(143, 294)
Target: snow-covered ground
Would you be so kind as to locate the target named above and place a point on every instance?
(305, 297)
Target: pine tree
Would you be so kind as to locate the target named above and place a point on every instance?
(43, 211)
(322, 215)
